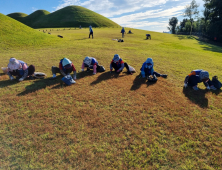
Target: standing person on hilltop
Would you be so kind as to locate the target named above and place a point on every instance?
(90, 63)
(19, 69)
(65, 68)
(198, 76)
(118, 64)
(90, 31)
(147, 70)
(123, 32)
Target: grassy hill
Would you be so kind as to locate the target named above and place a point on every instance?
(71, 16)
(15, 34)
(18, 16)
(109, 121)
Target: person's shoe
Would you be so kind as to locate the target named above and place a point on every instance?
(195, 88)
(213, 88)
(164, 75)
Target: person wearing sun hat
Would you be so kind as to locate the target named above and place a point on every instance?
(19, 69)
(118, 64)
(148, 70)
(65, 68)
(198, 76)
(90, 63)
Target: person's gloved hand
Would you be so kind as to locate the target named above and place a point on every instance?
(185, 85)
(21, 79)
(208, 88)
(213, 88)
(82, 69)
(74, 77)
(94, 73)
(195, 88)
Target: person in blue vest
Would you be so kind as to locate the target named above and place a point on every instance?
(90, 63)
(148, 70)
(118, 64)
(123, 32)
(198, 76)
(19, 69)
(65, 68)
(90, 31)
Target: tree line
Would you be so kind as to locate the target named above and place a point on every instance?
(210, 24)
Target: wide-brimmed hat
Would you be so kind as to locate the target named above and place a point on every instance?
(14, 64)
(116, 57)
(204, 75)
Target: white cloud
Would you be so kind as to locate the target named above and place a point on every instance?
(34, 9)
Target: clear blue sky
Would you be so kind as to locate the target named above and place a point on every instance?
(150, 15)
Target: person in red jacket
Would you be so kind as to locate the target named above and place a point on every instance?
(65, 68)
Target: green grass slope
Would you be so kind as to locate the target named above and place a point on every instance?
(34, 17)
(16, 34)
(18, 16)
(109, 121)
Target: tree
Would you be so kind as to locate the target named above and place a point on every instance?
(191, 12)
(172, 24)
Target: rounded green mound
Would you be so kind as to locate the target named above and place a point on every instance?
(34, 17)
(16, 34)
(71, 16)
(18, 16)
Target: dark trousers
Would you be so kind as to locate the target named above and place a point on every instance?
(122, 35)
(31, 70)
(91, 33)
(115, 66)
(194, 80)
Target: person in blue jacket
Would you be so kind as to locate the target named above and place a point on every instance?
(198, 76)
(90, 31)
(147, 69)
(123, 32)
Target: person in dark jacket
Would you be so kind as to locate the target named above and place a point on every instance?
(198, 76)
(118, 64)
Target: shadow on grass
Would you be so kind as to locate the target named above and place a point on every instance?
(209, 44)
(198, 97)
(107, 75)
(8, 82)
(137, 82)
(82, 39)
(40, 84)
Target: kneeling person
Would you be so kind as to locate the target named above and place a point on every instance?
(19, 69)
(90, 63)
(198, 76)
(118, 64)
(147, 70)
(65, 68)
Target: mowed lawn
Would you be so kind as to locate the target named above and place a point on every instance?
(109, 121)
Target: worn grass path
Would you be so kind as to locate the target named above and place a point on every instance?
(106, 121)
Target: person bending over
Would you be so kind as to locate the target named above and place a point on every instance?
(90, 63)
(118, 64)
(65, 68)
(19, 69)
(198, 76)
(147, 69)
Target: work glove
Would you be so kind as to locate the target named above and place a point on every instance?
(94, 73)
(82, 69)
(74, 77)
(213, 88)
(185, 85)
(208, 88)
(21, 79)
(195, 88)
